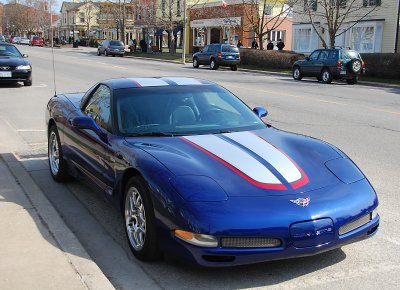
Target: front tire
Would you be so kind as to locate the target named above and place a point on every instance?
(326, 76)
(57, 164)
(28, 83)
(139, 219)
(213, 64)
(98, 52)
(195, 63)
(297, 73)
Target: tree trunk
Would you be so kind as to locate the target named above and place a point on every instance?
(261, 42)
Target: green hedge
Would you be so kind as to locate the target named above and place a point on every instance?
(271, 59)
(385, 65)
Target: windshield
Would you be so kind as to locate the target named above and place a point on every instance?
(181, 110)
(9, 51)
(116, 43)
(229, 48)
(350, 54)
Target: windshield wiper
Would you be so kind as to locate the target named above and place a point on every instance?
(153, 134)
(222, 132)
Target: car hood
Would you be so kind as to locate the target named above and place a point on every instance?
(13, 61)
(251, 163)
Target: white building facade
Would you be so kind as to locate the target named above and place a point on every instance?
(375, 33)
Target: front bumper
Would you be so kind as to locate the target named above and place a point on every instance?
(18, 76)
(223, 257)
(303, 231)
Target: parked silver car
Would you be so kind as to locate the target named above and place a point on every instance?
(111, 47)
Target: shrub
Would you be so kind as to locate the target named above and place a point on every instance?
(272, 59)
(93, 42)
(385, 65)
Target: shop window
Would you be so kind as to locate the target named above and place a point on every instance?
(198, 36)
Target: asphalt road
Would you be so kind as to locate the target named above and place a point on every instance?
(363, 121)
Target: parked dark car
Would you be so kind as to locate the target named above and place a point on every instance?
(111, 47)
(37, 41)
(216, 55)
(329, 64)
(14, 67)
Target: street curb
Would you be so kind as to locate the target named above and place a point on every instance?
(154, 59)
(88, 271)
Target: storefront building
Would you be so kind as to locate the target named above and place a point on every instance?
(219, 22)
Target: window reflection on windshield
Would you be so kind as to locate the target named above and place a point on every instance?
(181, 110)
(9, 50)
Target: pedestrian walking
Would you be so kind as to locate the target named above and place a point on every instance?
(280, 44)
(270, 45)
(254, 44)
(239, 44)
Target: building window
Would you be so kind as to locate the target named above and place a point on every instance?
(267, 9)
(178, 8)
(302, 39)
(363, 38)
(367, 3)
(310, 5)
(275, 35)
(198, 36)
(81, 17)
(163, 7)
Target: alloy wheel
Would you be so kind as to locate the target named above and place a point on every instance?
(54, 155)
(135, 219)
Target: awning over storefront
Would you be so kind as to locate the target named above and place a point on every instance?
(216, 22)
(159, 32)
(177, 29)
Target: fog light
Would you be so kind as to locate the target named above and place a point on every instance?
(197, 239)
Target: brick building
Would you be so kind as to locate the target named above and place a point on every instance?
(217, 22)
(1, 18)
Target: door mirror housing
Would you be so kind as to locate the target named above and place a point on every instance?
(25, 56)
(89, 124)
(307, 58)
(260, 112)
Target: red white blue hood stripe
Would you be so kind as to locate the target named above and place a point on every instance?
(252, 157)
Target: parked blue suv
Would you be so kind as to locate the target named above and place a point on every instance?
(216, 55)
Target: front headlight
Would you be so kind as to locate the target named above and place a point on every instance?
(23, 67)
(197, 239)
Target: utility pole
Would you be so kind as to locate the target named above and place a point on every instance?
(184, 33)
(396, 44)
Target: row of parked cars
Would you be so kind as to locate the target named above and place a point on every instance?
(323, 64)
(33, 41)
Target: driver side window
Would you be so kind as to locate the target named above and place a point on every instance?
(314, 55)
(98, 107)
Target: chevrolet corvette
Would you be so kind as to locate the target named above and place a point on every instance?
(198, 175)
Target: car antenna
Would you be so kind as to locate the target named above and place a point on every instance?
(52, 48)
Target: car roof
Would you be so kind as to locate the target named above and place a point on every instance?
(126, 83)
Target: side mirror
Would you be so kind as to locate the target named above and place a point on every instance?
(25, 56)
(307, 58)
(201, 50)
(89, 124)
(260, 112)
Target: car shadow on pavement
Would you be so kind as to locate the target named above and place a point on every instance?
(9, 85)
(99, 228)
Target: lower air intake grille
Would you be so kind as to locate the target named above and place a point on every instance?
(354, 224)
(250, 243)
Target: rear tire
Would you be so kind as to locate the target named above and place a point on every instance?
(140, 228)
(98, 52)
(195, 63)
(355, 66)
(57, 164)
(326, 76)
(234, 68)
(213, 64)
(105, 52)
(297, 73)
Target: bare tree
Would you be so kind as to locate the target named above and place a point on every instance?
(336, 14)
(266, 15)
(90, 13)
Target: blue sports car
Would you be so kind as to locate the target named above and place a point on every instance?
(198, 175)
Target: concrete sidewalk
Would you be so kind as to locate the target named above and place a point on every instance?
(37, 249)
